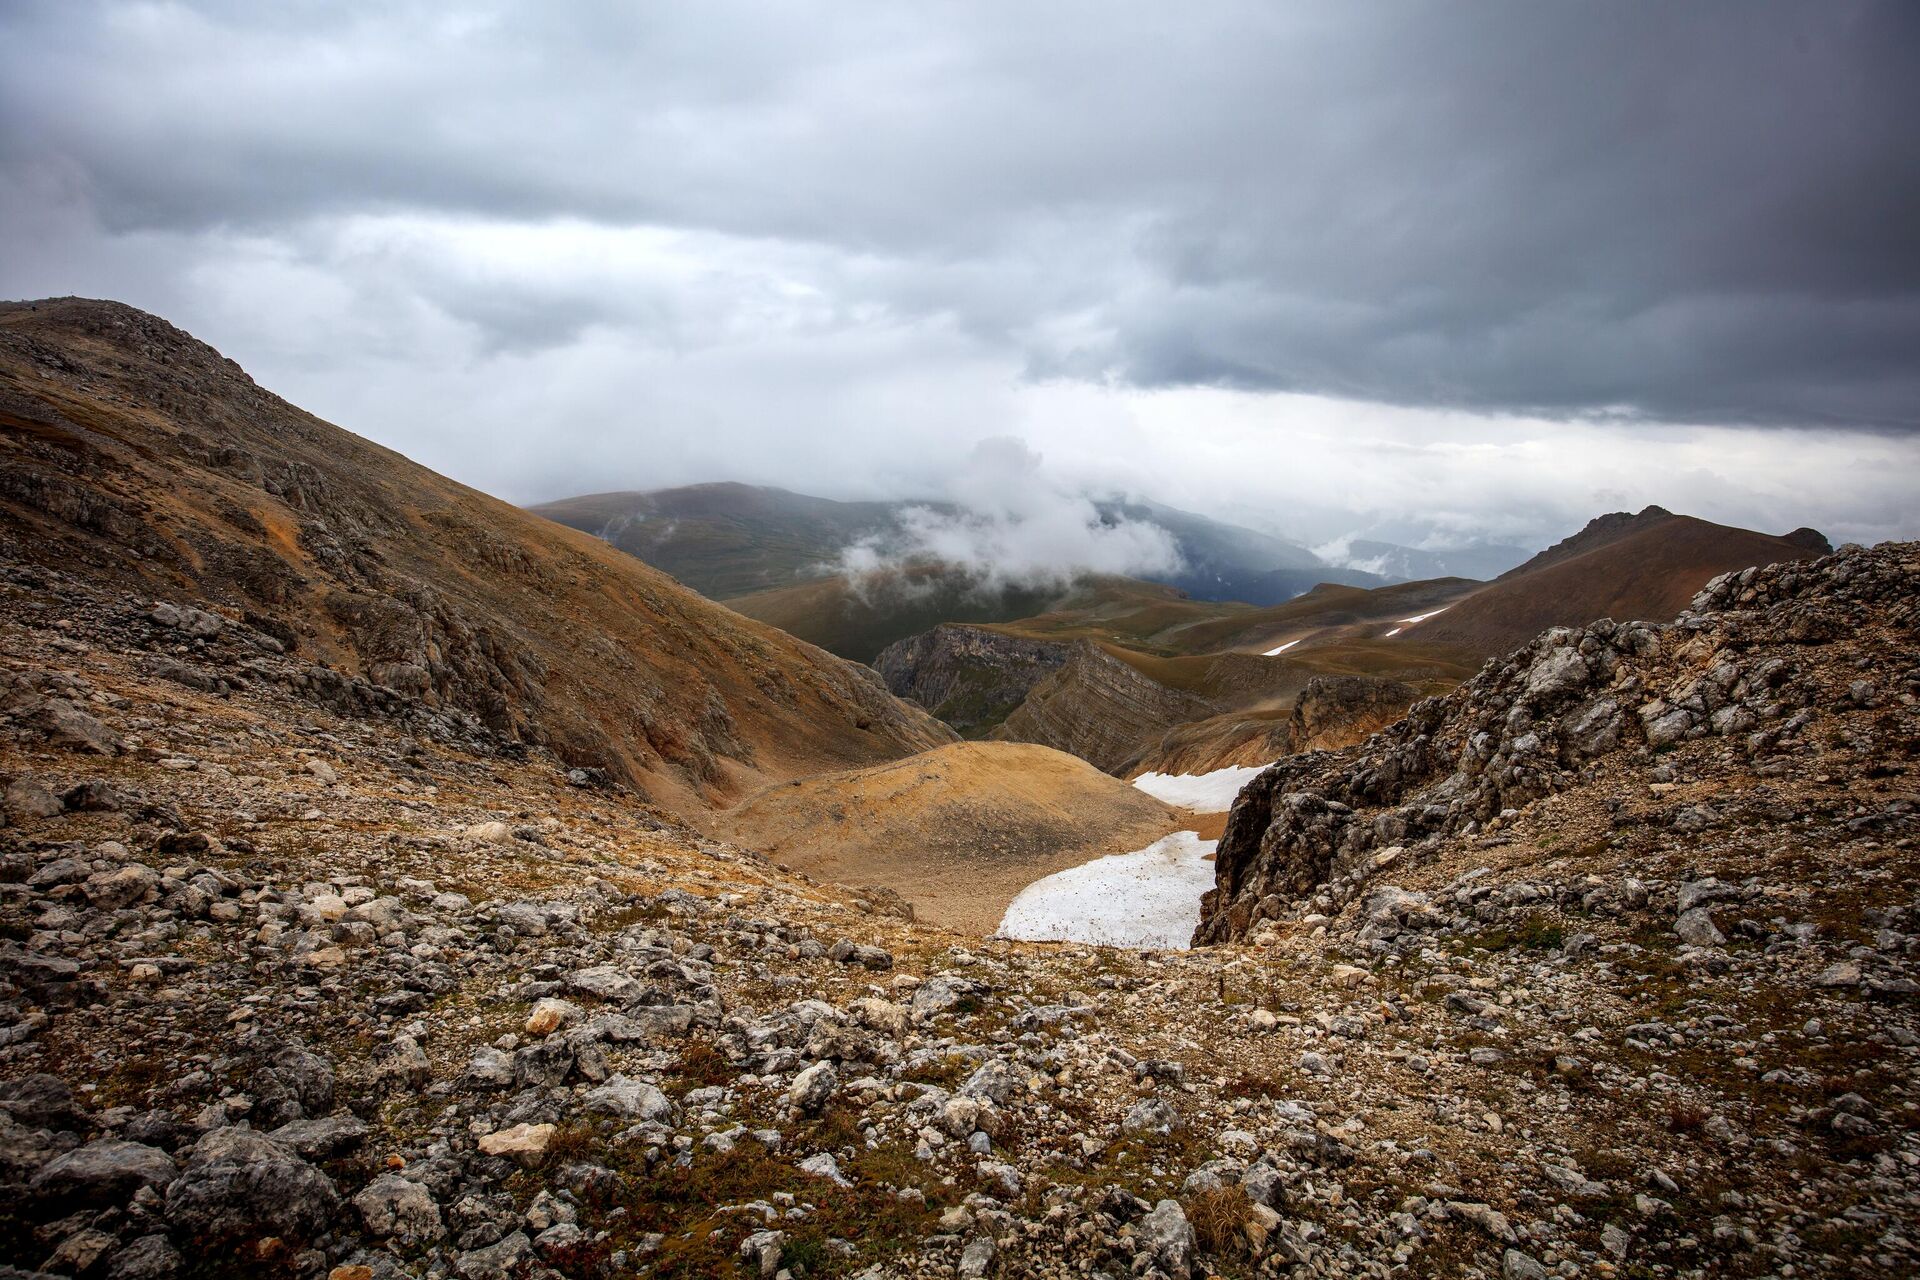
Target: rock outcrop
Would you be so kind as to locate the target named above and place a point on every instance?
(1099, 708)
(970, 677)
(1749, 663)
(1331, 712)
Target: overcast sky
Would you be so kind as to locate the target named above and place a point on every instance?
(1415, 270)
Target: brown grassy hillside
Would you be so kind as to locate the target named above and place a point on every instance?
(1634, 567)
(137, 457)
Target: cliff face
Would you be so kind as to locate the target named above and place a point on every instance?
(1100, 709)
(138, 459)
(1755, 663)
(970, 677)
(1331, 712)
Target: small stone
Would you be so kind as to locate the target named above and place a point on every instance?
(550, 1015)
(1696, 928)
(1515, 1265)
(522, 1141)
(1168, 1239)
(1844, 974)
(26, 798)
(825, 1166)
(1151, 1115)
(812, 1088)
(630, 1100)
(976, 1260)
(397, 1208)
(761, 1252)
(105, 1172)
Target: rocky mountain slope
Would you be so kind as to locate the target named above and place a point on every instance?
(299, 989)
(135, 457)
(1200, 675)
(969, 677)
(1796, 672)
(957, 832)
(1620, 566)
(1330, 712)
(1099, 708)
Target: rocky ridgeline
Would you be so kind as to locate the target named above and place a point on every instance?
(1764, 660)
(296, 986)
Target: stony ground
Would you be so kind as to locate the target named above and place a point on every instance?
(288, 993)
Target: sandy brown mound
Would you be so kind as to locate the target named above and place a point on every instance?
(957, 831)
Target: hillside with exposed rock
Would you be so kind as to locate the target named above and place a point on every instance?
(1098, 707)
(1604, 963)
(1330, 712)
(300, 986)
(139, 459)
(969, 677)
(1769, 675)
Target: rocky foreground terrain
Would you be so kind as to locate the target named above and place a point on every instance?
(295, 985)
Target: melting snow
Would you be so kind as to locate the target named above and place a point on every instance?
(1148, 898)
(1394, 632)
(1422, 617)
(1200, 792)
(1282, 649)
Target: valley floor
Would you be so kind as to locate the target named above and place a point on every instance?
(292, 992)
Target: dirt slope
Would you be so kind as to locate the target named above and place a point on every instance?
(134, 456)
(957, 831)
(1645, 566)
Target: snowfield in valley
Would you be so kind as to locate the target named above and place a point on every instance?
(1146, 899)
(1200, 792)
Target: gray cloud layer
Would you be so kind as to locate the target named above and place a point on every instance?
(871, 220)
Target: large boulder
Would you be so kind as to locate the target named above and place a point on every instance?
(102, 1173)
(240, 1185)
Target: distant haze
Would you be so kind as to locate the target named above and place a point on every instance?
(1431, 275)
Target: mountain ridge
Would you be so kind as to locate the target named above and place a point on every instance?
(139, 455)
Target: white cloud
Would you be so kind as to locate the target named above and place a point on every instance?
(1011, 523)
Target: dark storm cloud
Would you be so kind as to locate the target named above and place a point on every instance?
(1701, 212)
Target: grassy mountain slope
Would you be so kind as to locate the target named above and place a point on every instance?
(725, 540)
(139, 458)
(1644, 566)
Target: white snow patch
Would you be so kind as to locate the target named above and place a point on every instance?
(1422, 617)
(1200, 792)
(1394, 632)
(1148, 899)
(1282, 649)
